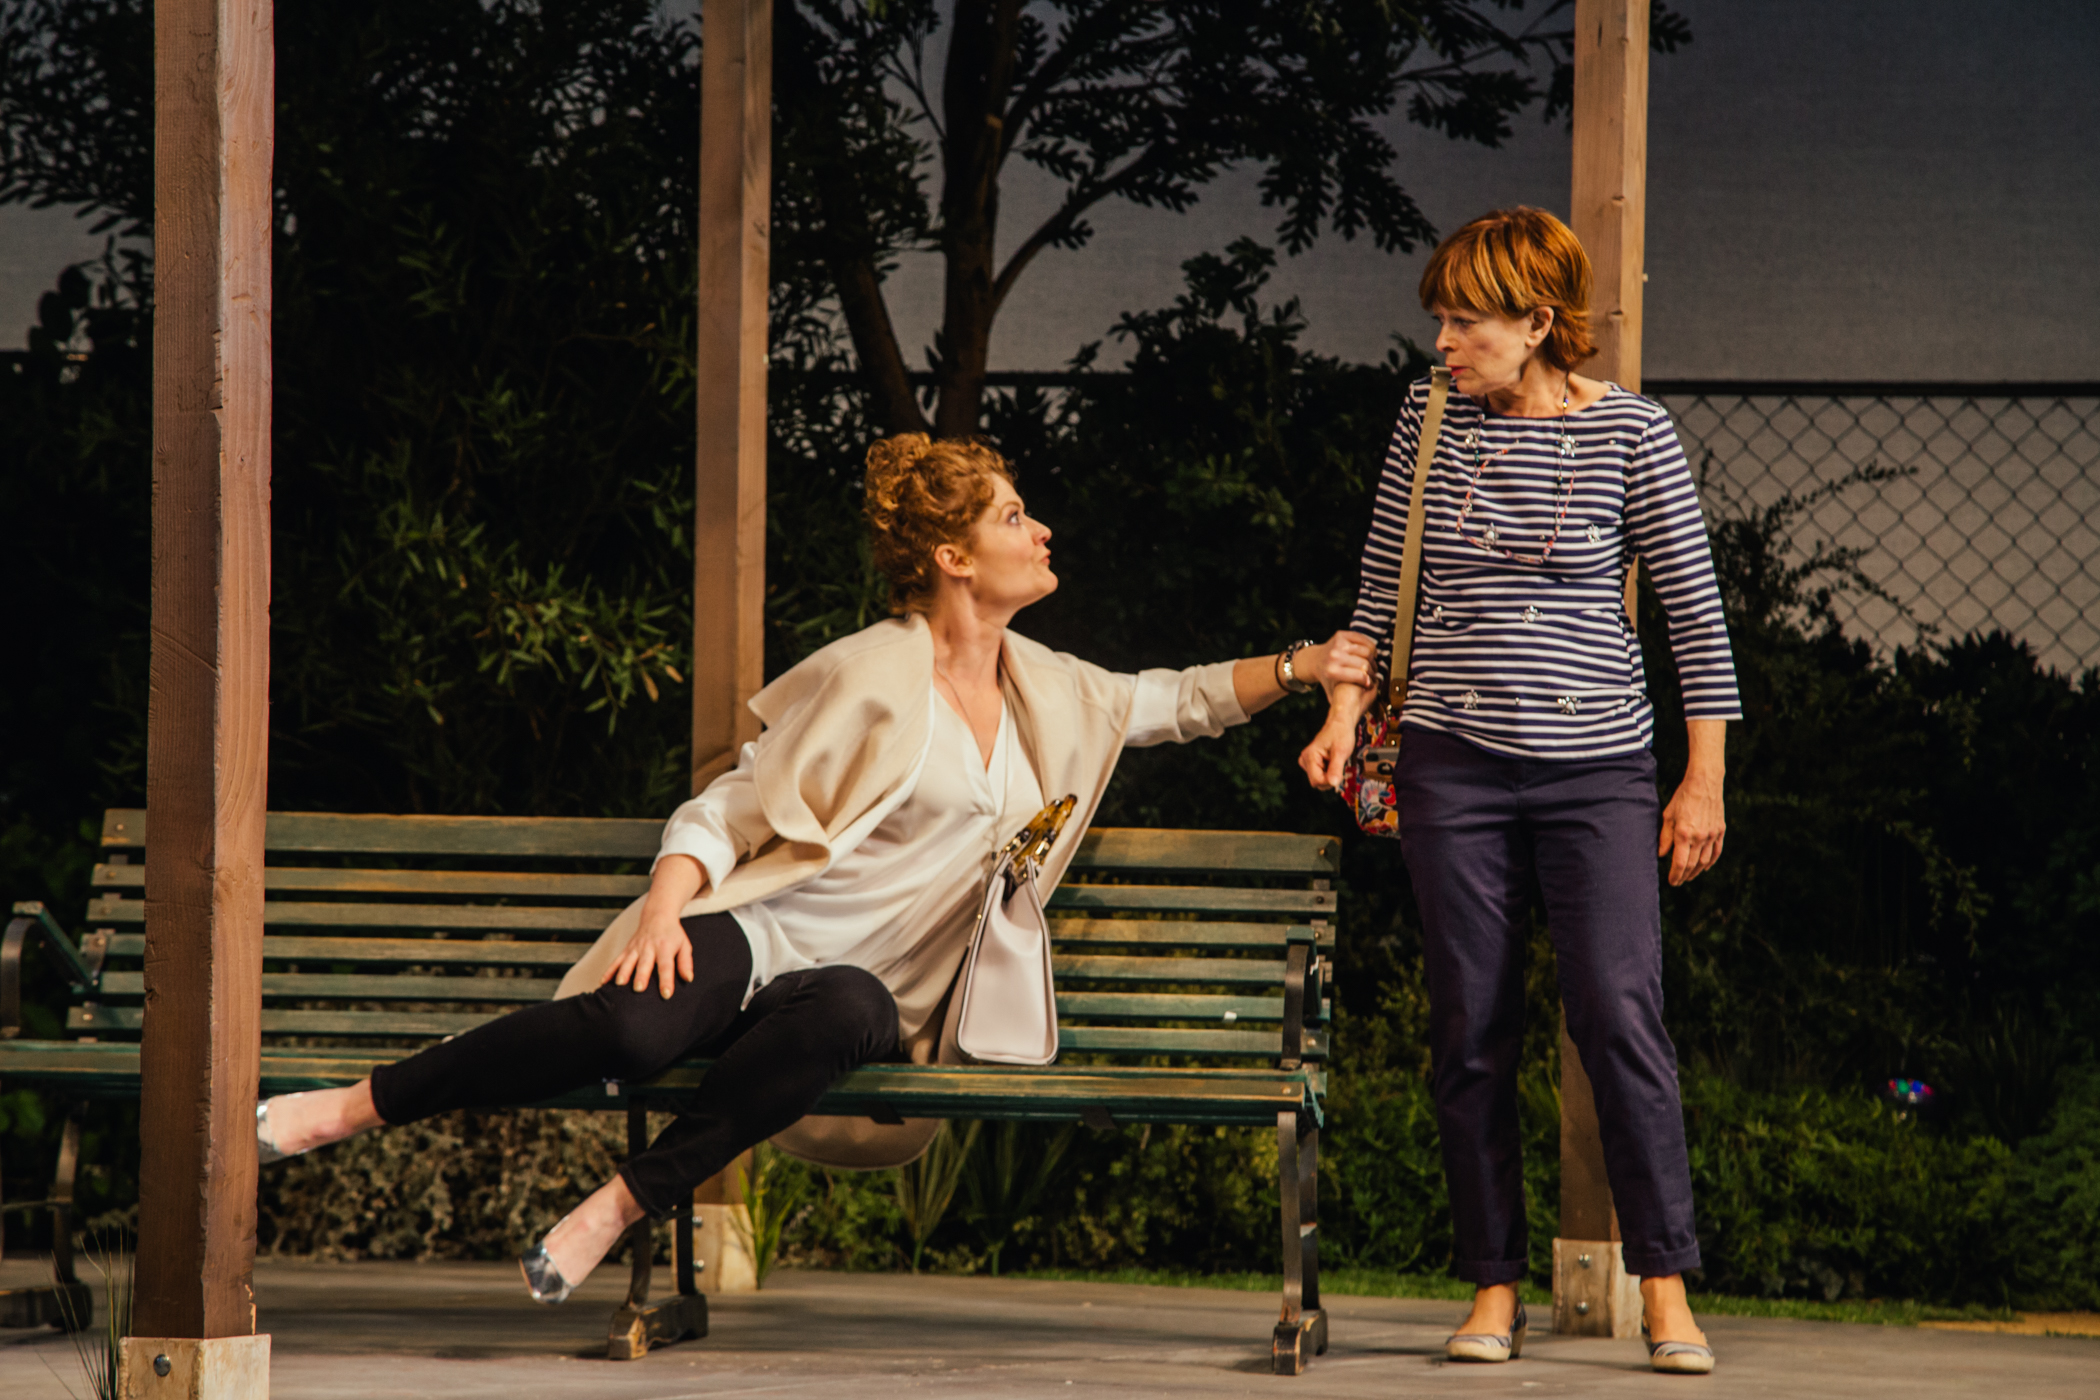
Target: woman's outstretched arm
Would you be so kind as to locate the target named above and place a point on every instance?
(1342, 660)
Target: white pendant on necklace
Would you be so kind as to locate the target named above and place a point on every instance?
(1489, 536)
(1594, 533)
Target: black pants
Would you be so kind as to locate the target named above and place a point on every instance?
(773, 1059)
(1481, 832)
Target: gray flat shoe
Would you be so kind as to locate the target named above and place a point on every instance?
(545, 1281)
(1490, 1346)
(1678, 1358)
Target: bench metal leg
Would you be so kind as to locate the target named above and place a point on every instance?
(1301, 1333)
(640, 1324)
(65, 1303)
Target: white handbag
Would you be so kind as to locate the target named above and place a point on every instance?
(1006, 1011)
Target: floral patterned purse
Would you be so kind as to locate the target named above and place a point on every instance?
(1367, 779)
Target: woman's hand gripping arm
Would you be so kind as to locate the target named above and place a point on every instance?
(660, 946)
(1342, 660)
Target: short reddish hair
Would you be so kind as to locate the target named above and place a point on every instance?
(1510, 263)
(922, 493)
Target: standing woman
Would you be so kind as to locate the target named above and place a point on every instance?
(1525, 764)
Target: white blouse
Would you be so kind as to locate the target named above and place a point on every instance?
(913, 869)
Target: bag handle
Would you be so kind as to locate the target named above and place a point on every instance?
(1411, 550)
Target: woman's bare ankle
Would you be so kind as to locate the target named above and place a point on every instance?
(1667, 1313)
(1494, 1310)
(580, 1240)
(318, 1117)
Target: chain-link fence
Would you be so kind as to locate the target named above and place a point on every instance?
(1969, 506)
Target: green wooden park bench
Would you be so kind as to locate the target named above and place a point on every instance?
(1192, 969)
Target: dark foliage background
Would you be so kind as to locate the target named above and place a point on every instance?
(482, 502)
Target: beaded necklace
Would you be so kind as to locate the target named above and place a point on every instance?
(1564, 483)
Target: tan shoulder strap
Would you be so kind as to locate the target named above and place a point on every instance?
(1411, 551)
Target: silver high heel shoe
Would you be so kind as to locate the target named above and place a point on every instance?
(1490, 1346)
(266, 1148)
(542, 1278)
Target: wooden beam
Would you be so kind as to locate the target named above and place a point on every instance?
(207, 731)
(729, 490)
(729, 498)
(1608, 204)
(1610, 196)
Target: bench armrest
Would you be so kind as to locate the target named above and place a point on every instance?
(31, 917)
(1303, 996)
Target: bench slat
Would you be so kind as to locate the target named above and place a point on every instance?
(281, 913)
(1192, 899)
(443, 951)
(542, 837)
(434, 1024)
(1162, 1006)
(1090, 898)
(1181, 933)
(1106, 848)
(1247, 852)
(534, 885)
(1157, 1040)
(1237, 971)
(1132, 1040)
(328, 986)
(1107, 1006)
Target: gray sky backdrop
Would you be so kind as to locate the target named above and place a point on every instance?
(1875, 189)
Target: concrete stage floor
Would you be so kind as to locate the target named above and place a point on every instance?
(402, 1330)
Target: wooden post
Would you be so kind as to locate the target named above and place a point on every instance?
(729, 498)
(1592, 1293)
(729, 495)
(722, 1239)
(207, 738)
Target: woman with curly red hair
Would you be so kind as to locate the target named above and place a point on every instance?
(809, 911)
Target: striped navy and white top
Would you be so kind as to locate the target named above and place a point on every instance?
(1534, 659)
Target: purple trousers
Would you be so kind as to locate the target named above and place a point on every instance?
(1483, 835)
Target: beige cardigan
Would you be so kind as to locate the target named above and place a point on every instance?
(844, 732)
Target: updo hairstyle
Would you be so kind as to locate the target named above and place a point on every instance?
(922, 494)
(1509, 263)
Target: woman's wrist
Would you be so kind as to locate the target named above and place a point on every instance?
(673, 884)
(1346, 704)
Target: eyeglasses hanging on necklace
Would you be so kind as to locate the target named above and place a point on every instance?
(1564, 484)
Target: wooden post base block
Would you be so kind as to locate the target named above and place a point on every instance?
(673, 1319)
(189, 1368)
(1593, 1295)
(722, 1248)
(1298, 1341)
(69, 1307)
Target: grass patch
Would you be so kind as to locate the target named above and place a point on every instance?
(1384, 1283)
